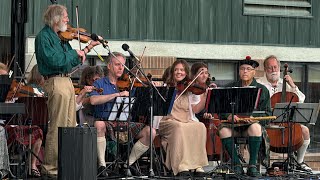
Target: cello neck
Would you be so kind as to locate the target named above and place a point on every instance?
(284, 84)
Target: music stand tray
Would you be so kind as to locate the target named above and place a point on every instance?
(303, 112)
(245, 99)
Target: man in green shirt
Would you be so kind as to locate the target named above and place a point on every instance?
(248, 128)
(55, 59)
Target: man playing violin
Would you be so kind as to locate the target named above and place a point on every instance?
(103, 105)
(55, 59)
(251, 129)
(274, 84)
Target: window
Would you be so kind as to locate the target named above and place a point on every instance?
(286, 8)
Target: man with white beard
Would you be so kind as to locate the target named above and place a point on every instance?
(274, 83)
(55, 60)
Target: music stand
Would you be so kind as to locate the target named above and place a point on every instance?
(293, 112)
(149, 103)
(304, 112)
(119, 112)
(160, 108)
(234, 100)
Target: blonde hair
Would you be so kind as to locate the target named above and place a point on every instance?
(53, 14)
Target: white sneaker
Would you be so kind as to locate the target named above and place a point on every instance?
(304, 167)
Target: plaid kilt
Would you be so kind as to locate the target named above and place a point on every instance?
(20, 134)
(112, 128)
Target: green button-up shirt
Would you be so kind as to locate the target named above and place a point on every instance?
(53, 55)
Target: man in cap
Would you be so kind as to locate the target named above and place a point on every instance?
(274, 83)
(251, 129)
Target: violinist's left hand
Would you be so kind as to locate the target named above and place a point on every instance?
(93, 44)
(156, 83)
(86, 89)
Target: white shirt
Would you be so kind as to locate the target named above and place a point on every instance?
(278, 88)
(193, 100)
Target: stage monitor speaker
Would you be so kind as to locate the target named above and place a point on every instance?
(77, 157)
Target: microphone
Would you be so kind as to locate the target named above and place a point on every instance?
(125, 47)
(95, 37)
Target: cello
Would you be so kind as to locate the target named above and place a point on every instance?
(280, 137)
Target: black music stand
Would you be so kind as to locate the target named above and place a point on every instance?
(234, 100)
(150, 103)
(304, 112)
(293, 112)
(119, 113)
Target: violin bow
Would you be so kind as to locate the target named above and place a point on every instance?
(77, 17)
(138, 64)
(194, 79)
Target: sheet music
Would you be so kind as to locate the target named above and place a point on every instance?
(125, 111)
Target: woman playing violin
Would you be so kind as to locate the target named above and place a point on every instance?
(88, 76)
(181, 132)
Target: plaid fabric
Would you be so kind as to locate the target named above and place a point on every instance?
(20, 134)
(264, 151)
(112, 127)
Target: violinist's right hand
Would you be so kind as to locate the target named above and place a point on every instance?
(81, 55)
(123, 93)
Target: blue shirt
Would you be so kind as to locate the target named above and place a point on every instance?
(103, 110)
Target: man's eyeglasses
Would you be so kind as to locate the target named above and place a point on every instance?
(247, 68)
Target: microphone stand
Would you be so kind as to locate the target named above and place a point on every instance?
(152, 87)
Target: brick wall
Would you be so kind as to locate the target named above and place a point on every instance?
(156, 65)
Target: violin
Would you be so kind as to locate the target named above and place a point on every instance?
(78, 88)
(72, 33)
(18, 89)
(124, 82)
(194, 88)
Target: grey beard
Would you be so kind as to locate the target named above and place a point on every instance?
(62, 27)
(273, 77)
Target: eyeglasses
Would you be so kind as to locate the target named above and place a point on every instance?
(247, 68)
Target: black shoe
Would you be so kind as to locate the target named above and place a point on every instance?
(199, 174)
(49, 177)
(102, 172)
(184, 174)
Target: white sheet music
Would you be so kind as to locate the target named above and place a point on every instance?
(125, 111)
